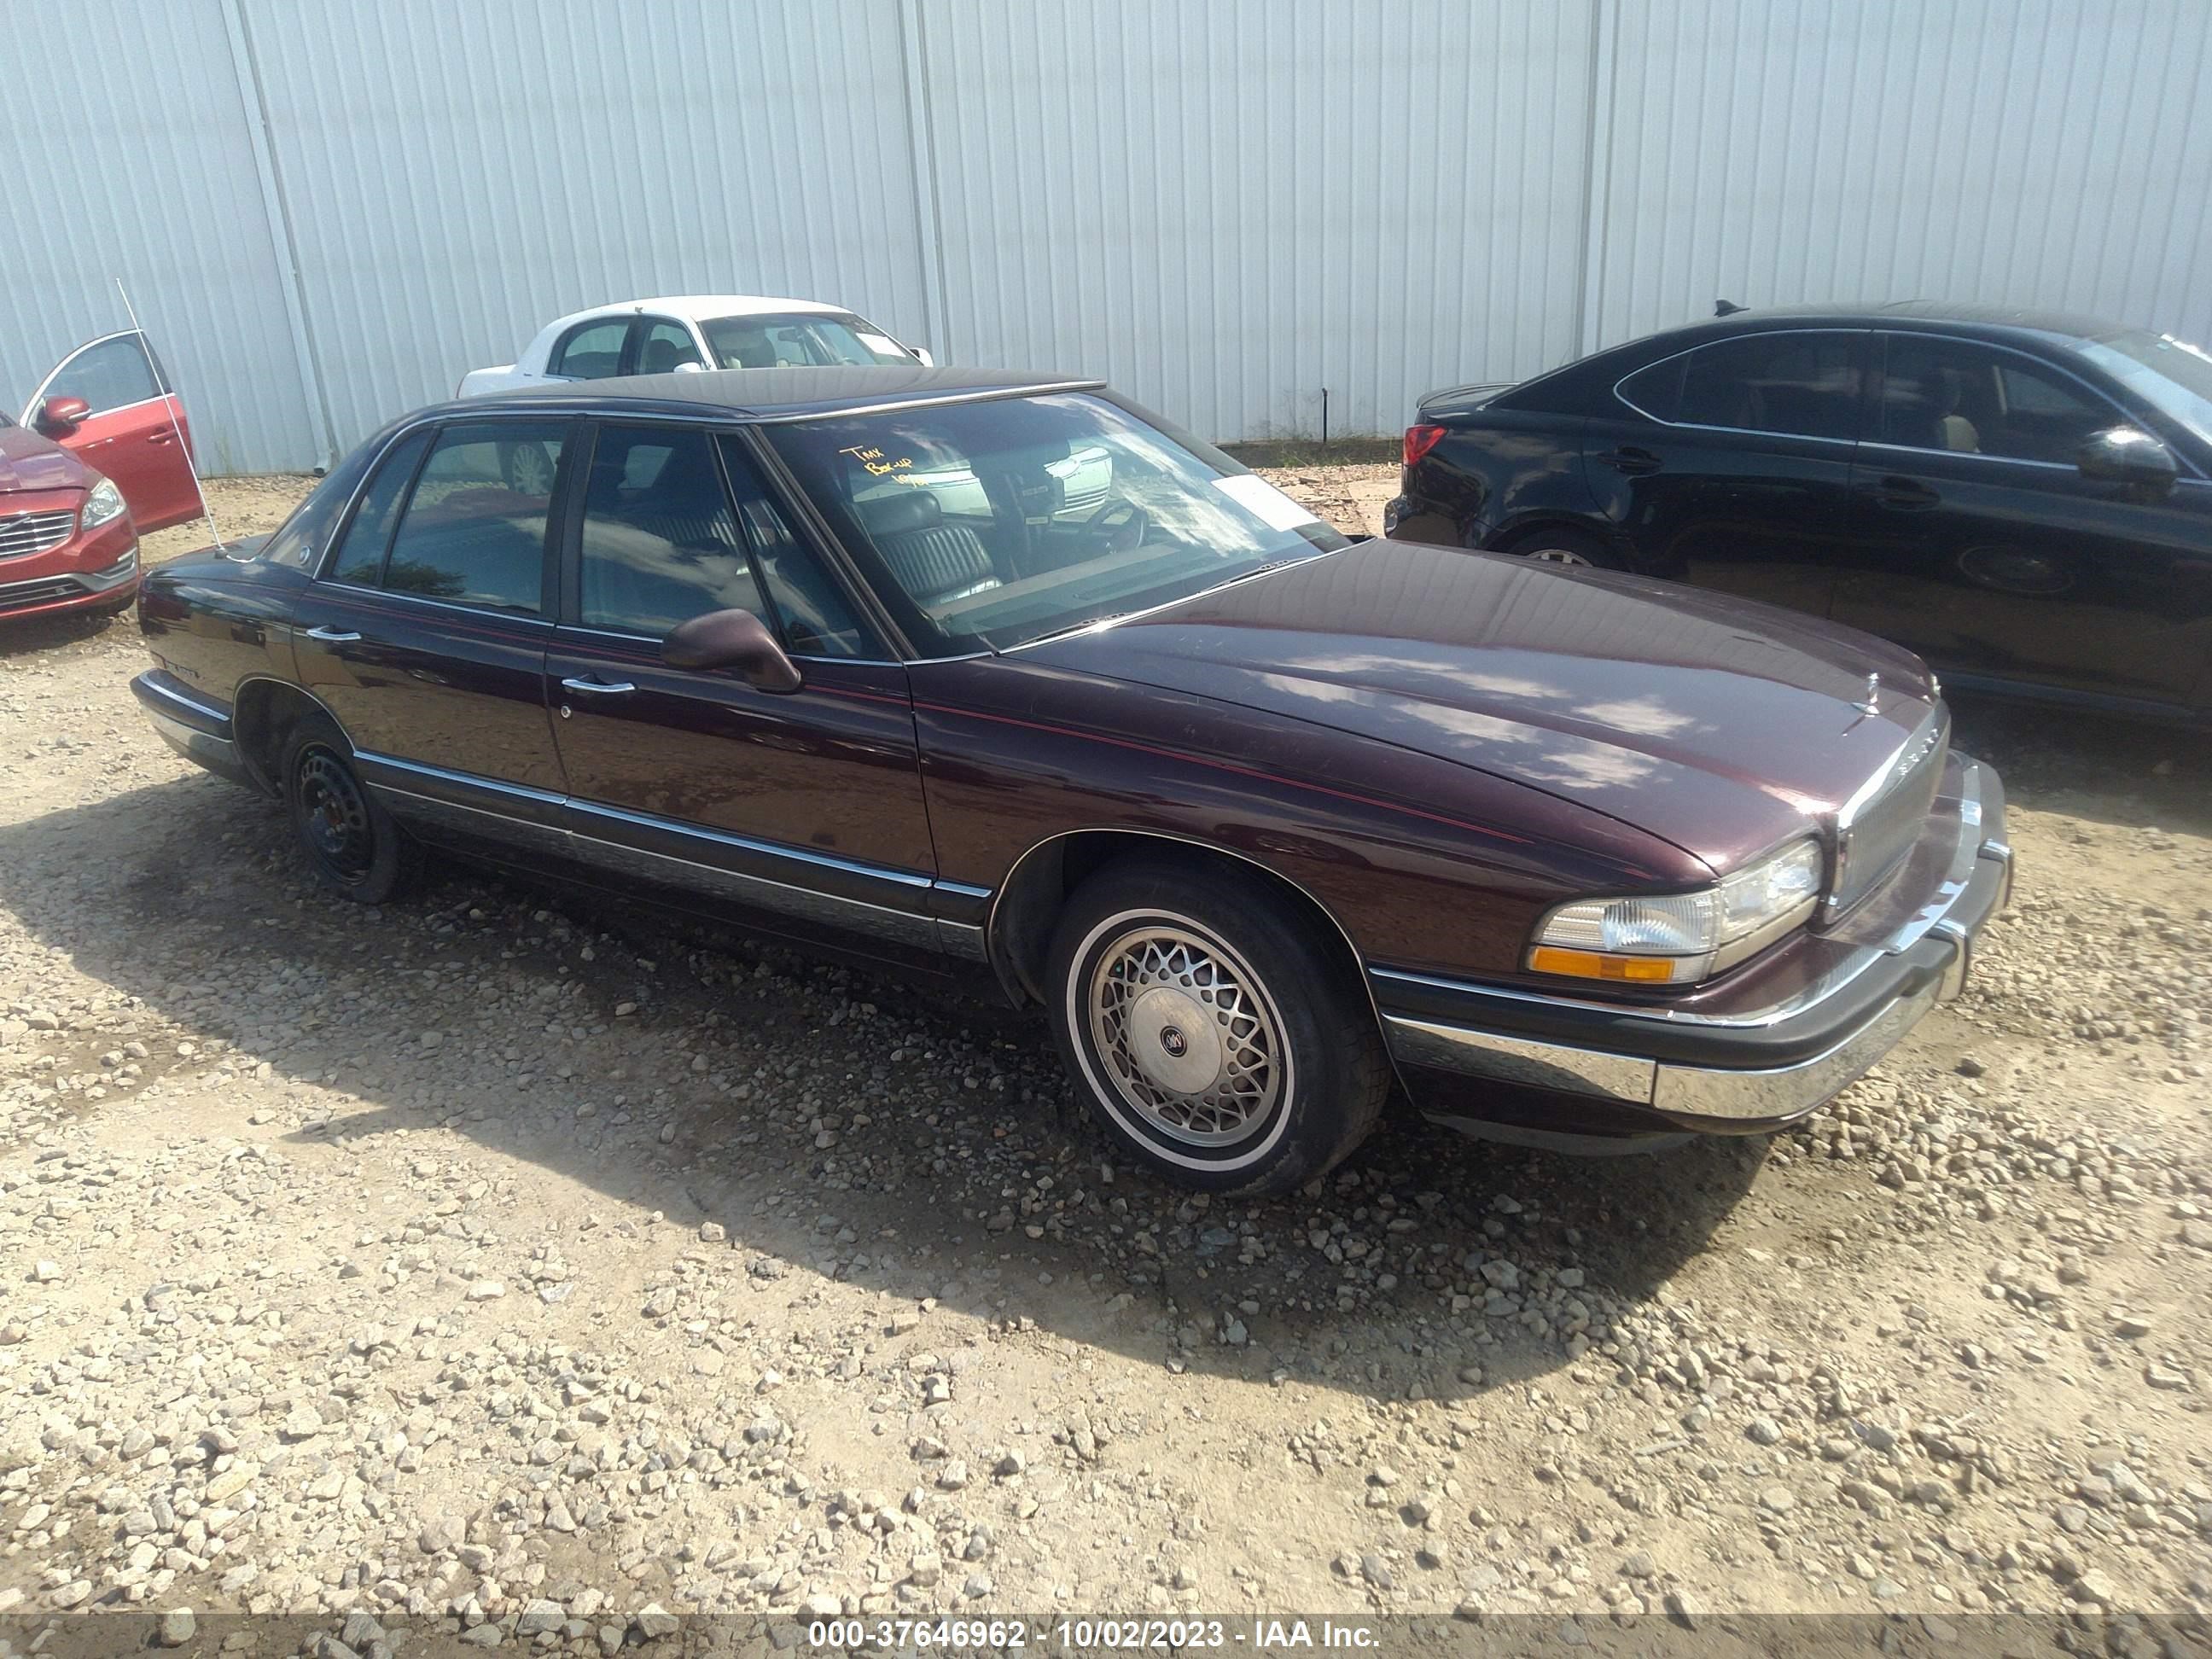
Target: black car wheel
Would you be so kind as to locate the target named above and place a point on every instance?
(1550, 545)
(1217, 1038)
(357, 849)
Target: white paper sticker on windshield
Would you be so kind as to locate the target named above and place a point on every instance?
(880, 343)
(1256, 495)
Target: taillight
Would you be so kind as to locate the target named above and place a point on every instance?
(1420, 439)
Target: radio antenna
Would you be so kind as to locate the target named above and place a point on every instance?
(176, 422)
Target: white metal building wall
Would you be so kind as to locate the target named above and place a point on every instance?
(2027, 152)
(138, 162)
(1224, 206)
(458, 175)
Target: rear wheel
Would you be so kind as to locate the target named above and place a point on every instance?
(1551, 545)
(357, 849)
(1217, 1036)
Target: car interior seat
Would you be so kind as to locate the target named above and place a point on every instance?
(932, 560)
(663, 356)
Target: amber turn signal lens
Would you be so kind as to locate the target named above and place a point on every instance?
(1592, 964)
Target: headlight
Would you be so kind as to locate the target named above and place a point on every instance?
(104, 504)
(1677, 938)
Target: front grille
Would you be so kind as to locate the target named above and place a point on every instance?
(25, 533)
(13, 596)
(1884, 825)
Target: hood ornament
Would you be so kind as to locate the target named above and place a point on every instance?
(1866, 705)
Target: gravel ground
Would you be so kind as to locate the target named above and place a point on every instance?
(503, 1265)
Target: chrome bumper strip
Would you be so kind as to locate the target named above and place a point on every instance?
(1722, 1094)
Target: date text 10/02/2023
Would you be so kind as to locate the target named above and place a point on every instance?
(1253, 1635)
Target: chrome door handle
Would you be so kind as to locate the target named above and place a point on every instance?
(603, 688)
(332, 635)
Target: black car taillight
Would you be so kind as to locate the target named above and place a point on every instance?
(1420, 439)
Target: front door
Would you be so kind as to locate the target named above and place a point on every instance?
(1729, 466)
(1983, 547)
(802, 809)
(425, 632)
(133, 431)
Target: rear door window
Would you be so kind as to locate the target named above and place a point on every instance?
(590, 351)
(473, 531)
(1800, 384)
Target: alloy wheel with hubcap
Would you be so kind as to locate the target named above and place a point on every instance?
(1219, 1035)
(1191, 1042)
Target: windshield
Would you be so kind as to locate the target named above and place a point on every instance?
(993, 524)
(2174, 378)
(810, 339)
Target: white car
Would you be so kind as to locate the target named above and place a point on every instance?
(692, 331)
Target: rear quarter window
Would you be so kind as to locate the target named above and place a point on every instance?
(1657, 391)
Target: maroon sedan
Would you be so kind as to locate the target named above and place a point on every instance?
(103, 454)
(982, 674)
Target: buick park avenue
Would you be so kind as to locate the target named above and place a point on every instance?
(1273, 826)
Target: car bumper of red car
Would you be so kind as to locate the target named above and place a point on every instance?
(96, 570)
(1535, 1069)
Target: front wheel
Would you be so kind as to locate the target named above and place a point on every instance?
(357, 849)
(1218, 1037)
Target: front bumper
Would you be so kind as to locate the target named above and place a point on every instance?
(1536, 1068)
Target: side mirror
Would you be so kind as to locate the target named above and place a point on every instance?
(735, 639)
(690, 366)
(60, 416)
(921, 356)
(2125, 454)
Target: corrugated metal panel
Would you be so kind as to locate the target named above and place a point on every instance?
(124, 144)
(1225, 208)
(1222, 207)
(458, 176)
(2032, 154)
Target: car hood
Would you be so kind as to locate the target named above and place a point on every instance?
(1722, 726)
(28, 461)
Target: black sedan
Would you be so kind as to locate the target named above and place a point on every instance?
(2023, 499)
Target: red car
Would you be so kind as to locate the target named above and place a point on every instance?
(103, 454)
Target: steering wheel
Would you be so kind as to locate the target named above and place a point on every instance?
(1117, 526)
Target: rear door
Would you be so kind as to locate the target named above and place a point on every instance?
(425, 631)
(802, 809)
(136, 433)
(1729, 466)
(1983, 546)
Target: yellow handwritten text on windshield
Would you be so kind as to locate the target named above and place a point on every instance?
(872, 458)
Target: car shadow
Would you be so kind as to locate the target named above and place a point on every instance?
(2129, 774)
(26, 636)
(791, 1087)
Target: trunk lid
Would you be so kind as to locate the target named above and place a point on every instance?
(1448, 401)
